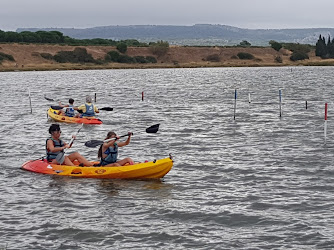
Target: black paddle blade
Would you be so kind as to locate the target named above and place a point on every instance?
(153, 128)
(49, 99)
(56, 107)
(93, 143)
(107, 109)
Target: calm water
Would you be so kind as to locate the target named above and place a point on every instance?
(260, 181)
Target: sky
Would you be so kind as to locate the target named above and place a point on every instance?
(251, 14)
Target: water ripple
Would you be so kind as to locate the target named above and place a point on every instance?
(259, 181)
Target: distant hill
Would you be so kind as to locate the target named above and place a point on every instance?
(199, 34)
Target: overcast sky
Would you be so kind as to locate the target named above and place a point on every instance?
(252, 14)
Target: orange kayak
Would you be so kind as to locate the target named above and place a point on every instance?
(146, 170)
(54, 114)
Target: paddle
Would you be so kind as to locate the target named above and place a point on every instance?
(59, 107)
(94, 143)
(61, 156)
(104, 108)
(50, 99)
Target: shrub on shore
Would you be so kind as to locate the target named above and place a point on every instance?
(115, 56)
(8, 57)
(245, 56)
(78, 55)
(213, 58)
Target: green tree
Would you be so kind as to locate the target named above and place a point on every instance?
(13, 37)
(160, 48)
(51, 36)
(298, 55)
(321, 48)
(2, 36)
(30, 37)
(122, 47)
(112, 56)
(245, 43)
(275, 45)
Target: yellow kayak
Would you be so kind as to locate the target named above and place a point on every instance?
(147, 170)
(55, 115)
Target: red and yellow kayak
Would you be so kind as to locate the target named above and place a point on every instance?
(54, 114)
(147, 170)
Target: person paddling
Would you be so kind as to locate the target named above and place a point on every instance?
(88, 109)
(55, 146)
(70, 109)
(108, 151)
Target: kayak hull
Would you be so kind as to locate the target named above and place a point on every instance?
(147, 170)
(53, 113)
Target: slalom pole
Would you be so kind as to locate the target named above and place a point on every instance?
(235, 102)
(280, 102)
(30, 100)
(325, 126)
(142, 95)
(306, 104)
(249, 98)
(95, 98)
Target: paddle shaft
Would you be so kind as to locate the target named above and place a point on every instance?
(94, 143)
(60, 107)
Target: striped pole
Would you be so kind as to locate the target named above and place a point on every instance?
(235, 102)
(249, 98)
(30, 101)
(280, 102)
(306, 104)
(325, 127)
(95, 97)
(142, 96)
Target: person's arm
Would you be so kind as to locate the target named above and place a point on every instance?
(110, 143)
(96, 110)
(124, 143)
(82, 108)
(63, 106)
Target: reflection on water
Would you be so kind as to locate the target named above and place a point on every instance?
(259, 181)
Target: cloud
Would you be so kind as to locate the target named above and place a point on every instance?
(242, 13)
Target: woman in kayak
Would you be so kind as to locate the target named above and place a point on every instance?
(108, 151)
(55, 146)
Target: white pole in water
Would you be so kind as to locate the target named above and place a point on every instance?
(249, 98)
(30, 101)
(235, 102)
(325, 127)
(280, 102)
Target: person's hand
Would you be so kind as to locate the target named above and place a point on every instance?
(74, 137)
(130, 133)
(66, 146)
(117, 137)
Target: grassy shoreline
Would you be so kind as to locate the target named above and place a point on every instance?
(27, 58)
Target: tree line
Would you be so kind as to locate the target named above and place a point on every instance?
(57, 37)
(323, 49)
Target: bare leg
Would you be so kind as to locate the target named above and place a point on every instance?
(125, 161)
(80, 158)
(66, 162)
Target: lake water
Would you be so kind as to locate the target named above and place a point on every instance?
(259, 181)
